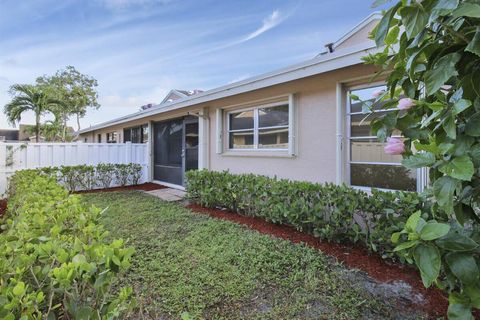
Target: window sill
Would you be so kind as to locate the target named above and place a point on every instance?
(258, 153)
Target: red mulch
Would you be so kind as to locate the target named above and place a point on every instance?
(3, 206)
(436, 303)
(144, 187)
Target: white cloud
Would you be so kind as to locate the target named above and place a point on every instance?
(269, 22)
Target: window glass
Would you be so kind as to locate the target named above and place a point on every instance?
(371, 150)
(365, 95)
(144, 133)
(273, 116)
(112, 137)
(241, 120)
(370, 166)
(259, 128)
(383, 176)
(241, 140)
(273, 138)
(127, 135)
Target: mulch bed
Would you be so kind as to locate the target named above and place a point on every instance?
(149, 186)
(436, 303)
(3, 206)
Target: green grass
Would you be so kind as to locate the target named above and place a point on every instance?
(212, 269)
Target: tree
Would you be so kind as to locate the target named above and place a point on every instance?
(76, 90)
(29, 98)
(430, 55)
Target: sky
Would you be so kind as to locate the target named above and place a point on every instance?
(140, 49)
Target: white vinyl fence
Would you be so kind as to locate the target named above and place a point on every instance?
(17, 156)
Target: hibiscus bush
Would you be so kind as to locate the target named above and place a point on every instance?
(430, 56)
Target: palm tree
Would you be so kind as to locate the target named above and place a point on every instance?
(29, 98)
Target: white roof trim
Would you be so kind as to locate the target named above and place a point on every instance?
(174, 91)
(372, 17)
(336, 60)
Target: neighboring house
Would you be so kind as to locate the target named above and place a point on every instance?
(7, 135)
(295, 123)
(25, 132)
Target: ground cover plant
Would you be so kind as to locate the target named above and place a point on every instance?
(204, 268)
(55, 261)
(431, 58)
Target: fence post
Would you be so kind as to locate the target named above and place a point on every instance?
(3, 155)
(128, 152)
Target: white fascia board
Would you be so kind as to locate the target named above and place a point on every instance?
(336, 60)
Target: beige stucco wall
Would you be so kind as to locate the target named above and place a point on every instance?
(359, 36)
(316, 142)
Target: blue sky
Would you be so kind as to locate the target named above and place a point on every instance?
(140, 49)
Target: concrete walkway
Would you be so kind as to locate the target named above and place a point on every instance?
(168, 194)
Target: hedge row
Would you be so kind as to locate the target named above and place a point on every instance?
(328, 211)
(55, 262)
(103, 175)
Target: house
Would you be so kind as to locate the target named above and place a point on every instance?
(296, 123)
(7, 135)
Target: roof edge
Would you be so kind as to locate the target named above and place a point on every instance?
(306, 68)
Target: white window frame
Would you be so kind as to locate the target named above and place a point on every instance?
(421, 173)
(256, 129)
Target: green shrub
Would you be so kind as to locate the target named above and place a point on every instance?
(83, 177)
(54, 259)
(328, 211)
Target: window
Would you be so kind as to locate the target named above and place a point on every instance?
(99, 138)
(259, 128)
(368, 165)
(136, 134)
(112, 137)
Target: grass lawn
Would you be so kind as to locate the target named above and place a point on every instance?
(213, 269)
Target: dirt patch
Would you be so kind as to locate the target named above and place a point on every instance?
(434, 302)
(143, 187)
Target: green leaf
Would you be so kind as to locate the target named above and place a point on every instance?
(392, 36)
(463, 266)
(419, 160)
(395, 237)
(431, 147)
(444, 7)
(19, 289)
(474, 45)
(384, 25)
(427, 259)
(412, 221)
(443, 70)
(472, 127)
(379, 3)
(461, 105)
(467, 9)
(414, 18)
(444, 189)
(434, 230)
(459, 168)
(456, 242)
(436, 106)
(458, 311)
(475, 154)
(450, 127)
(406, 245)
(79, 259)
(473, 293)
